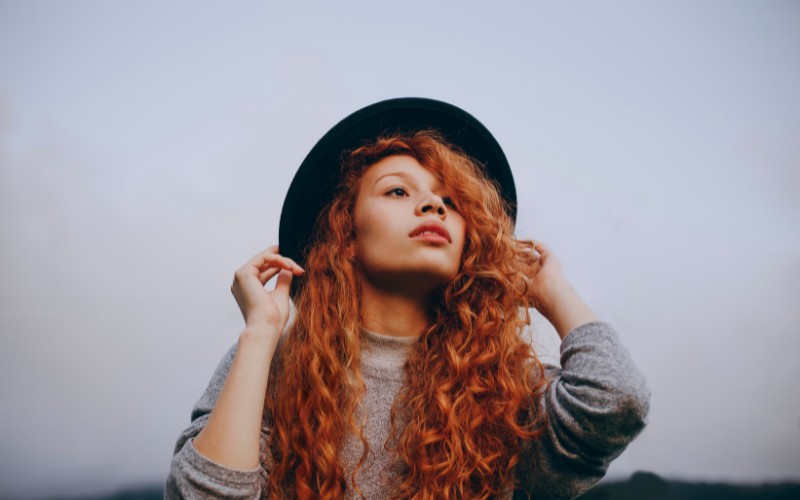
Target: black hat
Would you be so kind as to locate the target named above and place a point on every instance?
(315, 182)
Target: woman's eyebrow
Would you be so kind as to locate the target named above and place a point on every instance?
(410, 178)
(404, 175)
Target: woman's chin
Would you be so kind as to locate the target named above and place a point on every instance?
(421, 280)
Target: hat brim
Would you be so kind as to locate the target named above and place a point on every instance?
(315, 182)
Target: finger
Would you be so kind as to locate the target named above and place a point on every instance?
(269, 259)
(541, 248)
(523, 248)
(527, 252)
(284, 283)
(524, 244)
(268, 275)
(296, 264)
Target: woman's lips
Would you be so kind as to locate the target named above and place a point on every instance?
(431, 233)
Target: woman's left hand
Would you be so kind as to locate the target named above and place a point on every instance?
(550, 292)
(543, 273)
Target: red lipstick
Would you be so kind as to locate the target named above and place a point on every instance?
(431, 232)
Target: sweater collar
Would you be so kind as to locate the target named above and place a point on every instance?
(384, 355)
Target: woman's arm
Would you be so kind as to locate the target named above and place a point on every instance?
(229, 437)
(594, 406)
(595, 403)
(192, 475)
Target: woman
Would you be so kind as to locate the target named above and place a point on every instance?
(406, 371)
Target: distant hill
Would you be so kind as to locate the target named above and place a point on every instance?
(641, 486)
(649, 486)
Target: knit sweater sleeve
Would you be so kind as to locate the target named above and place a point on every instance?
(595, 404)
(192, 475)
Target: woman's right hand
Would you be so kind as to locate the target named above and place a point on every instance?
(261, 308)
(231, 437)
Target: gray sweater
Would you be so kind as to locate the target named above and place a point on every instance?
(596, 403)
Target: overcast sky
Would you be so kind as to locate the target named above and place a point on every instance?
(145, 149)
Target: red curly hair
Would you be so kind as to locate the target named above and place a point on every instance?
(472, 384)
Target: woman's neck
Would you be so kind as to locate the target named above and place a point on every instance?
(392, 313)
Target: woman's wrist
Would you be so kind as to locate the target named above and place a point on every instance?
(564, 308)
(259, 336)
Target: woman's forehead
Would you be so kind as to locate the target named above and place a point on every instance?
(402, 166)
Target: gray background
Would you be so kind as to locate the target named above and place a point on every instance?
(145, 149)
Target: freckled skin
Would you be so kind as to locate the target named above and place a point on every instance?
(396, 195)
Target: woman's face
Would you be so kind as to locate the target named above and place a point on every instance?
(409, 234)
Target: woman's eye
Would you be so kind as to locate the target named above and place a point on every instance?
(396, 191)
(449, 202)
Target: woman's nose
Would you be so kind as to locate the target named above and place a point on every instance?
(432, 204)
